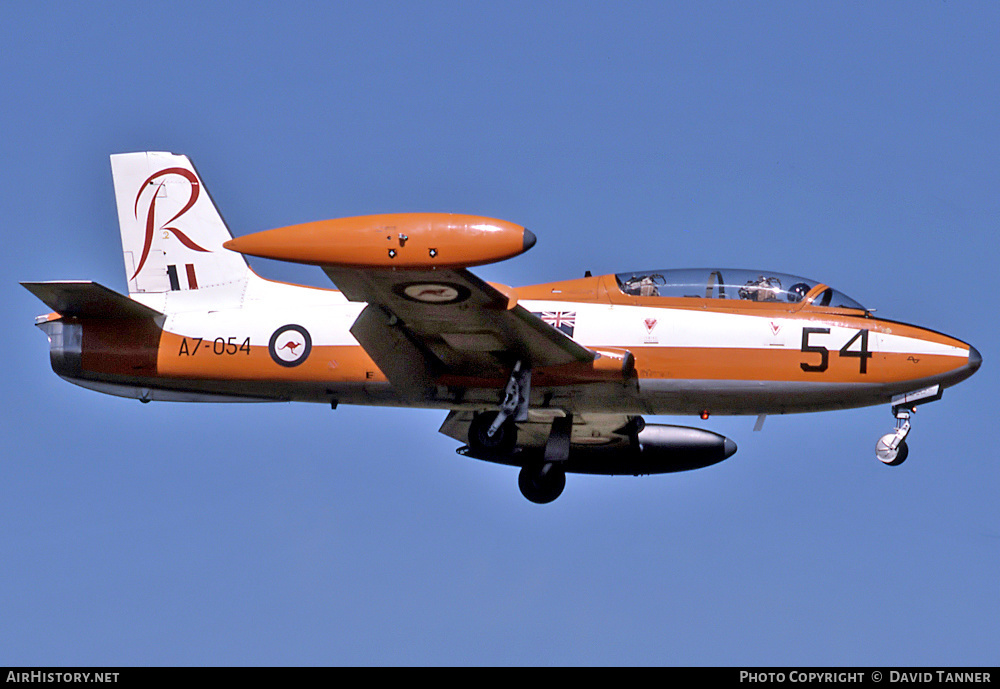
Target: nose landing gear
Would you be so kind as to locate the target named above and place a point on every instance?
(891, 448)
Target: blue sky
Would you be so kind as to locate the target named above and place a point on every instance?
(853, 143)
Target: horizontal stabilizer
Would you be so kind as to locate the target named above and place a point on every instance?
(86, 299)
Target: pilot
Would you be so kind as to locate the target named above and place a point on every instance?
(643, 286)
(798, 292)
(647, 288)
(761, 289)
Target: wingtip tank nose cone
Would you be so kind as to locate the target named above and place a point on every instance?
(259, 244)
(975, 359)
(728, 448)
(529, 239)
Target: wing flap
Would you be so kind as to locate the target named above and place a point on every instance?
(403, 361)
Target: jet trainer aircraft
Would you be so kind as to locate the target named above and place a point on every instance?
(552, 378)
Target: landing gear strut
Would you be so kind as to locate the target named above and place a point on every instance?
(515, 398)
(891, 448)
(543, 482)
(502, 441)
(495, 432)
(542, 478)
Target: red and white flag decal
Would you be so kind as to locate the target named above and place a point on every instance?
(564, 321)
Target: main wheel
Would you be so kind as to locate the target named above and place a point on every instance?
(501, 442)
(887, 455)
(541, 484)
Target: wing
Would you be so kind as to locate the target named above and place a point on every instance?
(424, 326)
(429, 321)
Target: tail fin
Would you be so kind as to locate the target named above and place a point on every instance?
(172, 234)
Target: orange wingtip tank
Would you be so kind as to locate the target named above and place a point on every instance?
(403, 240)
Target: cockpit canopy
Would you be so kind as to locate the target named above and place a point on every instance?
(748, 285)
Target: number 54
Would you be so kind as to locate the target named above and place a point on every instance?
(861, 354)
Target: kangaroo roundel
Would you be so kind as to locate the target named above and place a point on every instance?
(433, 292)
(290, 345)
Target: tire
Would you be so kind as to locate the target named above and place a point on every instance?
(502, 442)
(541, 485)
(886, 456)
(902, 452)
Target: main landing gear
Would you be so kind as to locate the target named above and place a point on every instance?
(495, 433)
(541, 483)
(891, 448)
(501, 441)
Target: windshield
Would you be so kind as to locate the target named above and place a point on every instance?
(729, 283)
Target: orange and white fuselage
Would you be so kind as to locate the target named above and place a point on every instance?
(690, 355)
(410, 326)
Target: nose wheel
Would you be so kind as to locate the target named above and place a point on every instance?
(891, 448)
(889, 455)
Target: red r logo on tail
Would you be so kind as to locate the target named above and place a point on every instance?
(150, 222)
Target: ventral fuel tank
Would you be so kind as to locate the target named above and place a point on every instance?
(656, 449)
